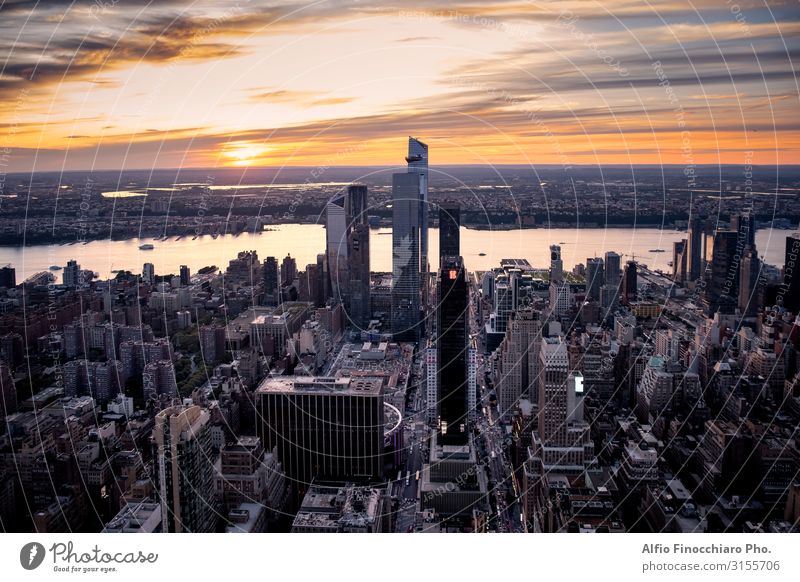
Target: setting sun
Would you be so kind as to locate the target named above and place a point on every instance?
(244, 153)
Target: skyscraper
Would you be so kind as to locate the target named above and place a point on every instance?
(556, 265)
(271, 276)
(288, 271)
(418, 164)
(745, 225)
(405, 257)
(790, 289)
(750, 296)
(630, 283)
(595, 277)
(358, 306)
(185, 469)
(72, 273)
(185, 275)
(518, 363)
(355, 205)
(694, 249)
(612, 269)
(722, 279)
(148, 273)
(449, 235)
(323, 427)
(451, 312)
(336, 228)
(561, 440)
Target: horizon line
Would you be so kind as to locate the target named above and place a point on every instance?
(388, 166)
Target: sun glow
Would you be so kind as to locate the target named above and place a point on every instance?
(244, 153)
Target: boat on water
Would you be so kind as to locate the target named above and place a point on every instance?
(56, 267)
(657, 250)
(146, 247)
(481, 254)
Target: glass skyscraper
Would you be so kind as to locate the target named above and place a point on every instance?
(405, 257)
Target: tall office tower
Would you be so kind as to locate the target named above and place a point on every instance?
(595, 278)
(517, 369)
(449, 234)
(503, 304)
(694, 249)
(789, 291)
(186, 276)
(8, 277)
(562, 438)
(679, 261)
(336, 229)
(185, 469)
(613, 273)
(722, 278)
(149, 273)
(472, 377)
(556, 265)
(323, 427)
(405, 257)
(271, 276)
(418, 164)
(359, 285)
(750, 295)
(630, 283)
(358, 309)
(745, 225)
(431, 383)
(72, 273)
(355, 205)
(288, 270)
(452, 309)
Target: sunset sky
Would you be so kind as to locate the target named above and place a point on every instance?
(113, 84)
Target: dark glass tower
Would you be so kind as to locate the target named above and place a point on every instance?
(449, 235)
(452, 311)
(405, 257)
(358, 295)
(629, 282)
(722, 278)
(595, 277)
(185, 275)
(790, 290)
(271, 276)
(694, 249)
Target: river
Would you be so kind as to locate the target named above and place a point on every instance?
(304, 241)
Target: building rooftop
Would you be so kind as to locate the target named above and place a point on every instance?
(340, 507)
(321, 385)
(141, 516)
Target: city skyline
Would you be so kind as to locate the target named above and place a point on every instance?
(585, 339)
